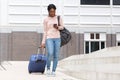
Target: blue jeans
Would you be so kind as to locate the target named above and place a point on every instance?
(53, 49)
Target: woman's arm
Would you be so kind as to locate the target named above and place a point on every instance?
(44, 32)
(61, 24)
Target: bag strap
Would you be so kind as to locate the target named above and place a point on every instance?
(58, 18)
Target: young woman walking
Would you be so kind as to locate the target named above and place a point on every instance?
(51, 38)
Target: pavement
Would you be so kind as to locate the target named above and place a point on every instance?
(18, 70)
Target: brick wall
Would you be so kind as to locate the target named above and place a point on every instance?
(21, 45)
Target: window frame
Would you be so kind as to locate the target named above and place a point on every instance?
(114, 3)
(96, 2)
(102, 42)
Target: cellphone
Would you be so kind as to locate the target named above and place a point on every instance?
(55, 25)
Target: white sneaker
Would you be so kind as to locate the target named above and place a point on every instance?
(53, 74)
(48, 73)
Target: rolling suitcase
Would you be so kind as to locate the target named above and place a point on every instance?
(37, 62)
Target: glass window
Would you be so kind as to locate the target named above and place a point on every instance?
(97, 36)
(91, 46)
(92, 36)
(94, 46)
(102, 45)
(95, 2)
(116, 2)
(95, 43)
(86, 47)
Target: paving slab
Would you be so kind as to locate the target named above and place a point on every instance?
(18, 70)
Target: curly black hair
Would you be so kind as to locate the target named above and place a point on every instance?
(50, 6)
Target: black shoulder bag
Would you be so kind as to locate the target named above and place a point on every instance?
(64, 34)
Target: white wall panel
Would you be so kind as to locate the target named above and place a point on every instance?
(24, 19)
(3, 12)
(24, 10)
(44, 10)
(46, 2)
(103, 36)
(71, 2)
(94, 11)
(116, 20)
(71, 19)
(116, 25)
(87, 36)
(118, 36)
(94, 20)
(71, 11)
(116, 11)
(24, 2)
(95, 25)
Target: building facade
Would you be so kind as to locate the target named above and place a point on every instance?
(94, 25)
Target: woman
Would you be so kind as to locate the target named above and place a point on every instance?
(51, 38)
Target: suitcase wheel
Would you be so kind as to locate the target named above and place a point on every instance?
(42, 72)
(30, 72)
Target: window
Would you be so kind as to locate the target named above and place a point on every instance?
(87, 47)
(95, 2)
(91, 46)
(102, 45)
(94, 42)
(116, 2)
(94, 46)
(97, 36)
(92, 36)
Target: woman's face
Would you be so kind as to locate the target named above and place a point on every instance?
(52, 12)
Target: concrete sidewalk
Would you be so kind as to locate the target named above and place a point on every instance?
(18, 70)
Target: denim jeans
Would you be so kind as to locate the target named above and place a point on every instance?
(53, 49)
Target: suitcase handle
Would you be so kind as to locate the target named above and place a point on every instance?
(43, 52)
(38, 52)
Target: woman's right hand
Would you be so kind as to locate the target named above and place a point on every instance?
(42, 45)
(55, 26)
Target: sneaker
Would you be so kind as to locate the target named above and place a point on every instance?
(48, 73)
(53, 74)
